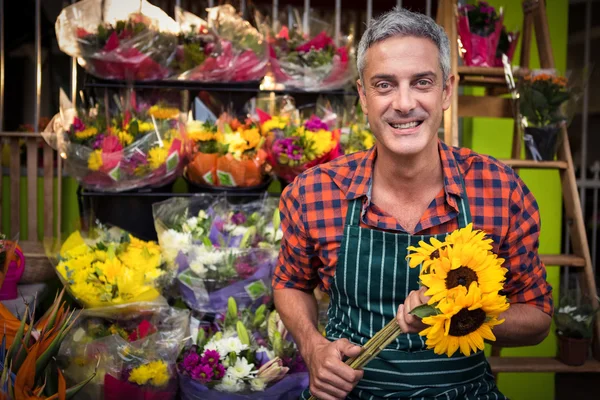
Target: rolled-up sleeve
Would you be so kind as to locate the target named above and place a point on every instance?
(294, 268)
(526, 278)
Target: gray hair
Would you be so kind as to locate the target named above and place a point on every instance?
(401, 22)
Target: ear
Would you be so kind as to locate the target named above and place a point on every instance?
(447, 93)
(362, 96)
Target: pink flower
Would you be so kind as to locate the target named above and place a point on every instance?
(319, 42)
(284, 33)
(219, 371)
(112, 42)
(111, 144)
(78, 125)
(144, 329)
(202, 373)
(210, 357)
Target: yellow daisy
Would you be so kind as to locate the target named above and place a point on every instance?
(466, 320)
(464, 264)
(157, 156)
(95, 160)
(125, 138)
(468, 235)
(426, 254)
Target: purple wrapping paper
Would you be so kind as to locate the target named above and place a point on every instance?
(217, 300)
(288, 388)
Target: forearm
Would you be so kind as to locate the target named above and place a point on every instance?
(524, 325)
(298, 310)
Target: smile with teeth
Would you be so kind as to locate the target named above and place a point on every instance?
(407, 125)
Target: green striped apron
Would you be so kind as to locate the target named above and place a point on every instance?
(372, 279)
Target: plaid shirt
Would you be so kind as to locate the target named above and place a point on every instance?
(313, 213)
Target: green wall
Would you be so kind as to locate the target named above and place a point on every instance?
(494, 137)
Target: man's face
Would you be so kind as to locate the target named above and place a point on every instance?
(404, 95)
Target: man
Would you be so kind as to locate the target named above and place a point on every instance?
(347, 225)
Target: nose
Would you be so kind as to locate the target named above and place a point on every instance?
(404, 100)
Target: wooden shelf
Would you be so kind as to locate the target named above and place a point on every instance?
(530, 164)
(464, 70)
(566, 260)
(539, 364)
(484, 106)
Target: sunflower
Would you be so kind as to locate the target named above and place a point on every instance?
(426, 254)
(466, 319)
(464, 264)
(468, 235)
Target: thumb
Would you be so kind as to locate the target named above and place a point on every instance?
(348, 349)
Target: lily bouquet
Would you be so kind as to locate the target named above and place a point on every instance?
(228, 153)
(131, 40)
(131, 145)
(225, 48)
(132, 348)
(220, 249)
(479, 27)
(242, 355)
(106, 267)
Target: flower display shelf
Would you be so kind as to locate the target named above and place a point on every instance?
(539, 364)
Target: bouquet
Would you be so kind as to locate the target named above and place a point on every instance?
(507, 43)
(543, 105)
(247, 355)
(109, 267)
(293, 148)
(463, 279)
(224, 49)
(133, 349)
(132, 145)
(128, 39)
(356, 135)
(220, 249)
(311, 63)
(228, 153)
(479, 27)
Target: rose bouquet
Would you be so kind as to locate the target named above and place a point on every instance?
(479, 27)
(130, 39)
(244, 355)
(105, 267)
(132, 348)
(131, 145)
(228, 153)
(293, 148)
(225, 48)
(219, 248)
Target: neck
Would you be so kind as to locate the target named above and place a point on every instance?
(409, 174)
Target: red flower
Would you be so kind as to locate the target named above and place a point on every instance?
(262, 116)
(284, 33)
(112, 42)
(81, 33)
(319, 42)
(126, 118)
(144, 329)
(111, 144)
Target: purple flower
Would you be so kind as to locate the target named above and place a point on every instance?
(238, 218)
(98, 142)
(190, 361)
(210, 357)
(202, 373)
(314, 124)
(219, 371)
(288, 148)
(245, 270)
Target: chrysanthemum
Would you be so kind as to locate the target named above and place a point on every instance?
(463, 265)
(426, 254)
(468, 235)
(466, 319)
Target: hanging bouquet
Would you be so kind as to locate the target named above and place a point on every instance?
(133, 350)
(225, 48)
(228, 153)
(293, 148)
(219, 248)
(131, 145)
(244, 355)
(131, 40)
(105, 267)
(479, 28)
(463, 278)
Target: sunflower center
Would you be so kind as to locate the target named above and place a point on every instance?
(436, 253)
(466, 322)
(462, 276)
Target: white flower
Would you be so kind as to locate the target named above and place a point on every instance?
(212, 345)
(567, 309)
(198, 267)
(172, 242)
(192, 222)
(258, 385)
(241, 369)
(230, 345)
(239, 230)
(270, 353)
(580, 318)
(278, 235)
(230, 384)
(228, 227)
(212, 257)
(202, 215)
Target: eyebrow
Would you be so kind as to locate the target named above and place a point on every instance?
(390, 77)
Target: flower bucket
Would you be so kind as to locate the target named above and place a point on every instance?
(15, 270)
(541, 144)
(573, 351)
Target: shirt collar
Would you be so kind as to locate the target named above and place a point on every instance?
(363, 175)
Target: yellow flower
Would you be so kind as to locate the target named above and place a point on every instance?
(252, 136)
(322, 141)
(466, 319)
(157, 156)
(86, 133)
(426, 254)
(468, 235)
(154, 373)
(74, 246)
(274, 123)
(236, 144)
(201, 135)
(111, 269)
(125, 138)
(465, 264)
(163, 113)
(368, 139)
(95, 160)
(145, 126)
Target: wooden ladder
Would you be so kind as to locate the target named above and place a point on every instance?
(490, 105)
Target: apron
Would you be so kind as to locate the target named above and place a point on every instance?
(372, 279)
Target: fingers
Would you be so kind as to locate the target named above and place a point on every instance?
(407, 322)
(347, 349)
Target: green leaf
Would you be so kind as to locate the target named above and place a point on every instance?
(242, 333)
(425, 310)
(201, 338)
(259, 316)
(248, 236)
(73, 390)
(277, 344)
(276, 222)
(16, 344)
(134, 128)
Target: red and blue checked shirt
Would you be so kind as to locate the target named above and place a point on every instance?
(313, 212)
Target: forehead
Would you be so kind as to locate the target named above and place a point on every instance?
(402, 55)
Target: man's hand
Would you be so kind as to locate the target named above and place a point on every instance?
(330, 378)
(410, 323)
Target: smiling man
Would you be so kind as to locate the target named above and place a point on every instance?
(347, 225)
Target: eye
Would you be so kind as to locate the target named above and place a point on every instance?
(423, 82)
(383, 85)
